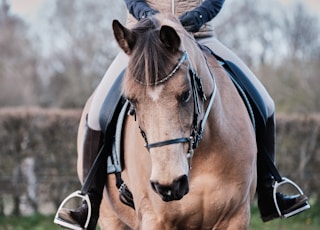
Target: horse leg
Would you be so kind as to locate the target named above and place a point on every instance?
(240, 221)
(108, 218)
(151, 224)
(113, 213)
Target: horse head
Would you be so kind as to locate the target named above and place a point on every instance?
(167, 96)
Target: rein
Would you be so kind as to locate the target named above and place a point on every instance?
(196, 130)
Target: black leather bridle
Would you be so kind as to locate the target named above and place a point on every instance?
(198, 94)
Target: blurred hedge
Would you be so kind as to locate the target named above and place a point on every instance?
(38, 156)
(298, 150)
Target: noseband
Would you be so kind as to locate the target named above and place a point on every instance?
(198, 94)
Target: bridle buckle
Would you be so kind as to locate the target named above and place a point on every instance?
(190, 152)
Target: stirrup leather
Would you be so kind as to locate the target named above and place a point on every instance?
(65, 224)
(276, 187)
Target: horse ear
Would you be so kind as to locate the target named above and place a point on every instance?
(125, 37)
(170, 38)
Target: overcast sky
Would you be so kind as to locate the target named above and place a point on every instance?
(29, 8)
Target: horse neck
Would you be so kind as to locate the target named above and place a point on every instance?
(221, 112)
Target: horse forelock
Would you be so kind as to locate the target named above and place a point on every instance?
(150, 60)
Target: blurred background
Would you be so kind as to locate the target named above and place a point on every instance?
(53, 54)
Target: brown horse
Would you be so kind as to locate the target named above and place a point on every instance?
(194, 166)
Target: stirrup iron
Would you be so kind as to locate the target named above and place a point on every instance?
(66, 224)
(276, 186)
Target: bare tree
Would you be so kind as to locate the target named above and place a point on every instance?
(18, 77)
(250, 28)
(82, 47)
(301, 30)
(78, 42)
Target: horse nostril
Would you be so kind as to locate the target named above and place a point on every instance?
(182, 184)
(161, 189)
(175, 191)
(154, 186)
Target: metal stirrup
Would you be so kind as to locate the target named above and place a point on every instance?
(66, 224)
(276, 186)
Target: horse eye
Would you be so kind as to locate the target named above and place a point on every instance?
(185, 96)
(132, 109)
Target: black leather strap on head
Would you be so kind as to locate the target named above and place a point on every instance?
(168, 142)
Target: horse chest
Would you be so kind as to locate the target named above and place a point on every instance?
(203, 208)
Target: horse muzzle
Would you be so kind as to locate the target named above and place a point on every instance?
(175, 191)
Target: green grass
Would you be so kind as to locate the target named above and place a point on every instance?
(308, 220)
(34, 222)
